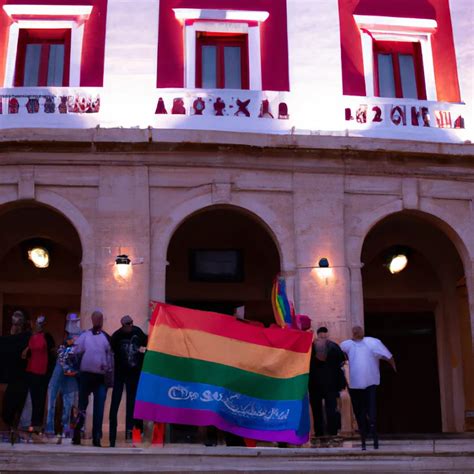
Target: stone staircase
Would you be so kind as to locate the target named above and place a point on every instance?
(426, 455)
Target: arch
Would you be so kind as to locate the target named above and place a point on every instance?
(191, 206)
(75, 217)
(439, 217)
(70, 212)
(443, 222)
(86, 237)
(453, 228)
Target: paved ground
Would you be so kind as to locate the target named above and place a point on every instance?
(424, 456)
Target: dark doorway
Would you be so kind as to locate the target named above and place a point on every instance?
(408, 401)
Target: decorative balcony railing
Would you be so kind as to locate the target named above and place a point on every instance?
(223, 109)
(49, 107)
(402, 115)
(234, 110)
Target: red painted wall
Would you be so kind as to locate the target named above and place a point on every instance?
(444, 57)
(92, 63)
(274, 44)
(4, 25)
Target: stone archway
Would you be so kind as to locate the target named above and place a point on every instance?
(220, 258)
(163, 229)
(54, 290)
(223, 239)
(422, 313)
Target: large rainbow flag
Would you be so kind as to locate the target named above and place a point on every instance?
(204, 368)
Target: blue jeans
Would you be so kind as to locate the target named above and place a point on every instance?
(95, 384)
(67, 386)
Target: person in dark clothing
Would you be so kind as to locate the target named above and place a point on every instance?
(128, 344)
(326, 380)
(14, 371)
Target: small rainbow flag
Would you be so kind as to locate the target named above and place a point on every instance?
(204, 368)
(282, 308)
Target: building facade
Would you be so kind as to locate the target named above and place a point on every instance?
(217, 143)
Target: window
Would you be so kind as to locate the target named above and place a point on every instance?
(399, 70)
(397, 56)
(216, 265)
(43, 57)
(221, 61)
(45, 44)
(222, 47)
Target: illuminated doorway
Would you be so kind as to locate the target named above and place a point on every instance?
(418, 314)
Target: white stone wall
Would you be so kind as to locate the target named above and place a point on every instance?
(462, 18)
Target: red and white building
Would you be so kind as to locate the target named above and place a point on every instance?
(216, 143)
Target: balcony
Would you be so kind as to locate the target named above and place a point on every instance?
(269, 112)
(58, 107)
(405, 119)
(221, 109)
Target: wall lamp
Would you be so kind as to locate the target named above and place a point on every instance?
(39, 256)
(397, 259)
(397, 263)
(123, 265)
(323, 263)
(323, 270)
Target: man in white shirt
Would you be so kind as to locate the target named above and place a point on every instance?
(364, 354)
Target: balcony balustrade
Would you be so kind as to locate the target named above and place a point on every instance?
(233, 110)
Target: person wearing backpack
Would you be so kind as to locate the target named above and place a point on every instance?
(128, 344)
(64, 380)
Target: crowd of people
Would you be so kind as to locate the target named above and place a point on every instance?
(89, 362)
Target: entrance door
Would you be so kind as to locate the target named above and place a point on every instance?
(408, 401)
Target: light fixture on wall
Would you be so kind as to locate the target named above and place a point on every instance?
(396, 258)
(123, 264)
(323, 270)
(39, 256)
(323, 263)
(397, 263)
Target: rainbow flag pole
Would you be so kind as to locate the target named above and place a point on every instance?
(204, 368)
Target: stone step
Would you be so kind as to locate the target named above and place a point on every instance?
(437, 456)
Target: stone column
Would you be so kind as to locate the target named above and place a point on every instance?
(123, 227)
(356, 297)
(88, 296)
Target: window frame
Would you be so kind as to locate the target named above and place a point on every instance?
(221, 40)
(222, 21)
(48, 17)
(400, 30)
(45, 37)
(395, 48)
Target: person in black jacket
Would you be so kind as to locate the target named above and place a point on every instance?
(13, 371)
(326, 380)
(128, 344)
